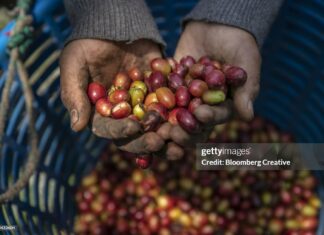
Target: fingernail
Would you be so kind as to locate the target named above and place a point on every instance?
(74, 117)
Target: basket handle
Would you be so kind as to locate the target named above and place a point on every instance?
(18, 45)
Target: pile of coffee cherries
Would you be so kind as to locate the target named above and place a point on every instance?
(174, 198)
(170, 91)
(256, 131)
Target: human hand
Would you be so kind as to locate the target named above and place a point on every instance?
(87, 60)
(229, 45)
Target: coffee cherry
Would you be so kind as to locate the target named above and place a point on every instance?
(314, 201)
(161, 65)
(172, 62)
(213, 97)
(197, 71)
(197, 87)
(96, 207)
(80, 226)
(187, 61)
(143, 161)
(181, 70)
(90, 180)
(165, 97)
(139, 111)
(111, 90)
(208, 69)
(165, 202)
(160, 109)
(194, 103)
(182, 96)
(121, 110)
(135, 74)
(137, 96)
(151, 98)
(103, 107)
(308, 211)
(286, 197)
(215, 79)
(155, 81)
(173, 116)
(151, 121)
(187, 121)
(204, 60)
(188, 79)
(84, 207)
(309, 223)
(147, 74)
(292, 224)
(140, 85)
(122, 226)
(95, 92)
(216, 64)
(207, 230)
(200, 220)
(235, 76)
(122, 81)
(175, 80)
(118, 96)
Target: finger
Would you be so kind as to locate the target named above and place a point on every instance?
(182, 50)
(114, 128)
(184, 139)
(174, 151)
(164, 130)
(180, 136)
(147, 143)
(213, 115)
(170, 151)
(244, 96)
(187, 40)
(74, 80)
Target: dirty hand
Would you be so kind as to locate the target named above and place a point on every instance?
(86, 60)
(229, 45)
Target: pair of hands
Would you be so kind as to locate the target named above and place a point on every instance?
(86, 60)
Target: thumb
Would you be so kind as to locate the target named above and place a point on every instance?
(244, 96)
(74, 81)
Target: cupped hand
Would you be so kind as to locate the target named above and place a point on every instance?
(87, 60)
(229, 45)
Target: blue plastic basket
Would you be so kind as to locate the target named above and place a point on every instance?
(293, 66)
(45, 205)
(292, 77)
(292, 74)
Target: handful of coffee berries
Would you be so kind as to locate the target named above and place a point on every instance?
(169, 92)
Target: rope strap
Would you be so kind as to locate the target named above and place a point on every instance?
(20, 40)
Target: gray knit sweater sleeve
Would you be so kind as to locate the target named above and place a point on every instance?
(117, 20)
(255, 16)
